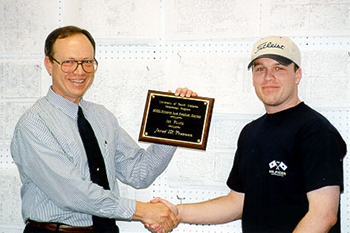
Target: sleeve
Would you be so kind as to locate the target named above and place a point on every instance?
(132, 164)
(137, 166)
(322, 151)
(46, 168)
(235, 180)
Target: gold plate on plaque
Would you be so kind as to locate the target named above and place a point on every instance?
(177, 121)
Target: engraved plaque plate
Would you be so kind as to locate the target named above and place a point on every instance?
(177, 121)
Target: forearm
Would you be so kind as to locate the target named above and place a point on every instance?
(315, 224)
(219, 210)
(159, 156)
(323, 211)
(139, 167)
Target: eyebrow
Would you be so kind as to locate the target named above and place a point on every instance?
(83, 59)
(256, 63)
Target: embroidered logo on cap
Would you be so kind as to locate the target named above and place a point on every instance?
(267, 45)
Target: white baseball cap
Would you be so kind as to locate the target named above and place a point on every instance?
(281, 49)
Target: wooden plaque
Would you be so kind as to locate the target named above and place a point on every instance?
(177, 121)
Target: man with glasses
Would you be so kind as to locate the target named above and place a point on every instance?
(59, 193)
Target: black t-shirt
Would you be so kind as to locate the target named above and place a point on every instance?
(280, 157)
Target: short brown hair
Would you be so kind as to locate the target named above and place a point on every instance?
(64, 32)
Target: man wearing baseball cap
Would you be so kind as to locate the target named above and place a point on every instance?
(287, 174)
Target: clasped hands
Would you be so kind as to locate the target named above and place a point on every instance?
(162, 216)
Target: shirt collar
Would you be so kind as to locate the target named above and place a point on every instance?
(66, 106)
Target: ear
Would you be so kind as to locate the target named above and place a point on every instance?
(48, 65)
(298, 75)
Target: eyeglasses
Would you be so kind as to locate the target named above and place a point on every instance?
(69, 66)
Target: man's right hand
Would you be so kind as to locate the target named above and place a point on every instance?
(158, 215)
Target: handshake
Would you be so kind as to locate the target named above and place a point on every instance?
(159, 215)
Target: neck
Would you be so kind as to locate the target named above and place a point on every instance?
(275, 109)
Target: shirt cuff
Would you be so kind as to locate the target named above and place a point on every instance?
(126, 208)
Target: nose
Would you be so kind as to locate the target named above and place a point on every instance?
(269, 75)
(79, 70)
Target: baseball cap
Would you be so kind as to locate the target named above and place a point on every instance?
(281, 49)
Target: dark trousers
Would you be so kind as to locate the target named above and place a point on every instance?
(30, 229)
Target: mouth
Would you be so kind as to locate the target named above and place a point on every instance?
(77, 80)
(270, 87)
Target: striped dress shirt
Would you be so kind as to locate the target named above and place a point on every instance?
(52, 163)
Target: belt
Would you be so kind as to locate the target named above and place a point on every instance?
(59, 227)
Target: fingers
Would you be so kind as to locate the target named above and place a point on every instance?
(160, 218)
(185, 92)
(170, 221)
(155, 200)
(167, 203)
(154, 227)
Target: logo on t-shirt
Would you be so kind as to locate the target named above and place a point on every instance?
(278, 168)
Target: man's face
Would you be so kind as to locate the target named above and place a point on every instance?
(73, 85)
(276, 85)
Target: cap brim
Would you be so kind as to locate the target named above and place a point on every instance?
(282, 60)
